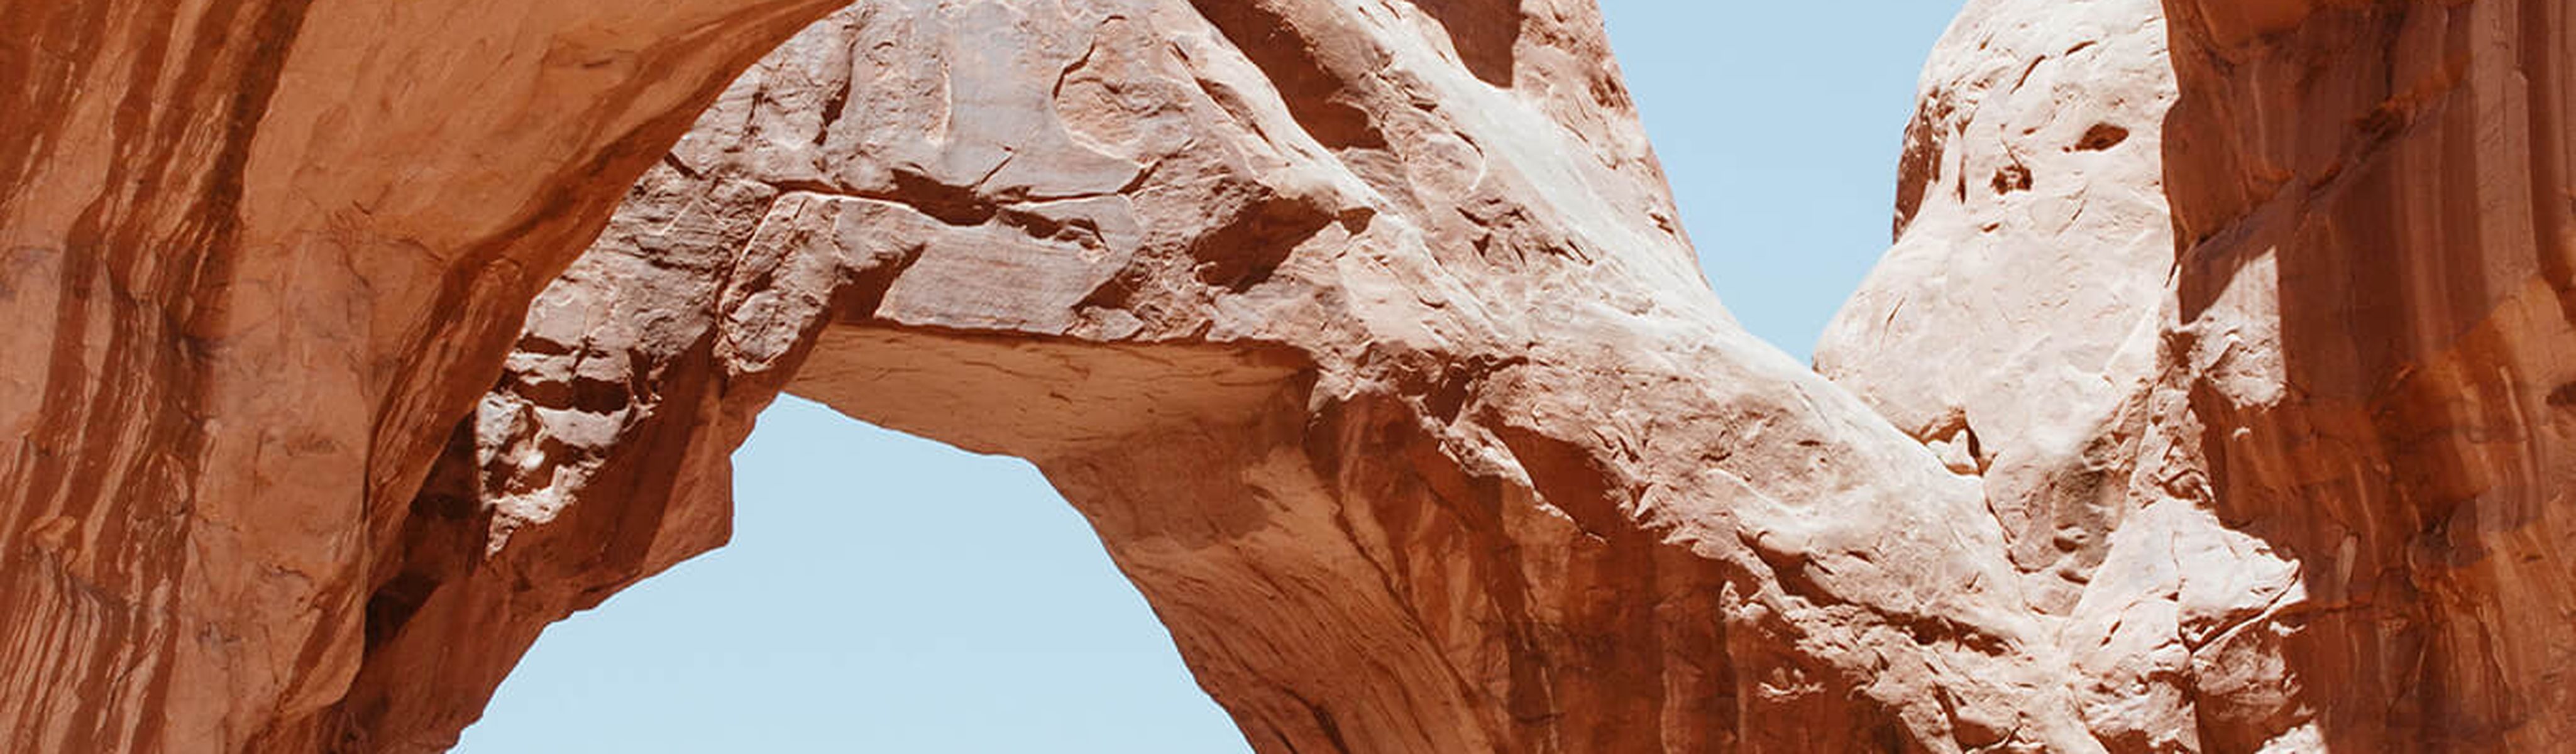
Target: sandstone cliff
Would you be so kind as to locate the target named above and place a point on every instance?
(256, 257)
(2288, 454)
(2209, 399)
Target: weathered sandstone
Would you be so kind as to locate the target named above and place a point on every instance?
(2371, 334)
(2209, 400)
(1394, 388)
(2292, 455)
(256, 257)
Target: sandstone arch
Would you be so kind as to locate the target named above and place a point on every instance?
(1354, 478)
(1372, 348)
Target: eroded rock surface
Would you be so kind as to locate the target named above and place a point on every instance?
(2373, 307)
(2209, 399)
(256, 257)
(1384, 371)
(2288, 450)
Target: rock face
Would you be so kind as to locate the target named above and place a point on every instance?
(2290, 456)
(2210, 399)
(2373, 298)
(256, 257)
(1373, 351)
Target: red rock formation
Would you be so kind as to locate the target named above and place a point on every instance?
(1365, 336)
(2311, 492)
(257, 257)
(2374, 207)
(1395, 389)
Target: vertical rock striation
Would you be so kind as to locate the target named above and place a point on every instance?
(2292, 441)
(2374, 294)
(256, 257)
(2209, 399)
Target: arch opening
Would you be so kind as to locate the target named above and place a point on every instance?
(1402, 452)
(881, 592)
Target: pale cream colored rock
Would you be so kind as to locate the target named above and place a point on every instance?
(2014, 323)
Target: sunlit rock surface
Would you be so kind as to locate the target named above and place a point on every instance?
(2292, 456)
(2209, 399)
(1365, 336)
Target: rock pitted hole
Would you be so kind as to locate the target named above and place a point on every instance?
(2100, 137)
(2563, 397)
(2011, 178)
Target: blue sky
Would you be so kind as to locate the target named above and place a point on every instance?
(885, 593)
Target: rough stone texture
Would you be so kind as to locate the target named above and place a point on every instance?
(2016, 326)
(2210, 400)
(1373, 352)
(2372, 335)
(256, 257)
(2296, 449)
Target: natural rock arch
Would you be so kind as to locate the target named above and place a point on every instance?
(1403, 454)
(1374, 353)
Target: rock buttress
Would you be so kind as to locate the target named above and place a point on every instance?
(2253, 324)
(256, 257)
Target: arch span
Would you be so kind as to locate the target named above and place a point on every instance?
(1432, 440)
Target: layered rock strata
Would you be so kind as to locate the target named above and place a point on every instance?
(2205, 403)
(2372, 333)
(2286, 453)
(256, 258)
